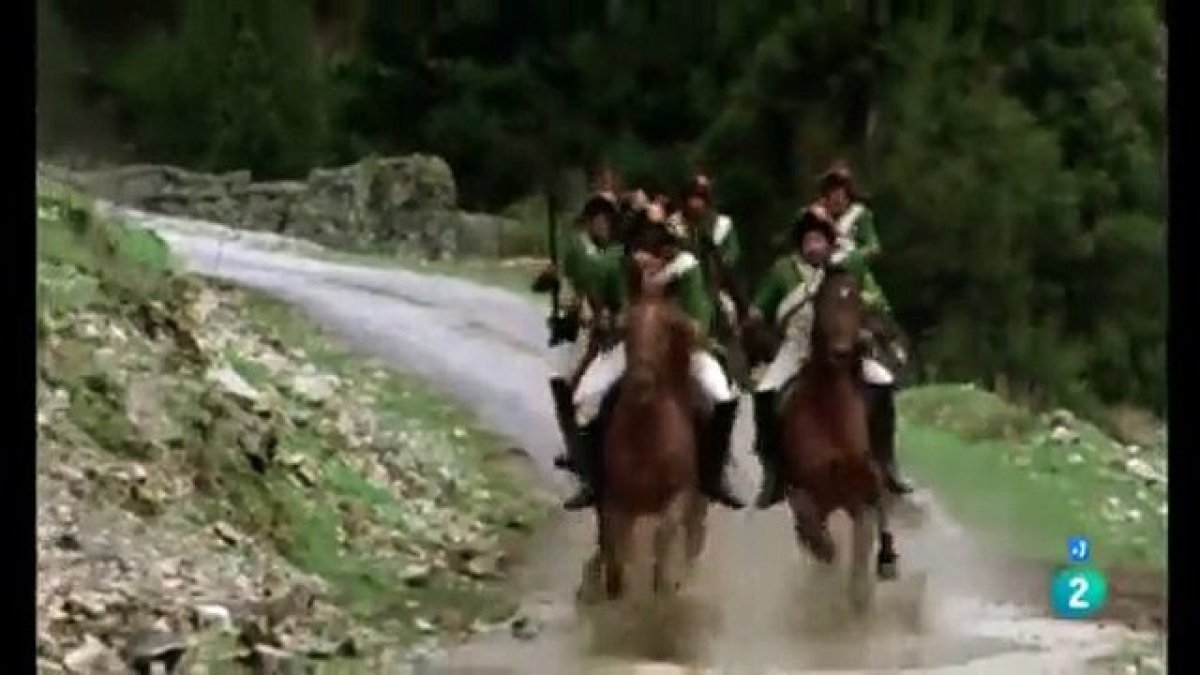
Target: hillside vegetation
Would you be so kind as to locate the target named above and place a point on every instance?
(1014, 152)
(219, 482)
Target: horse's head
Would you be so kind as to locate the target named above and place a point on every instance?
(658, 346)
(839, 316)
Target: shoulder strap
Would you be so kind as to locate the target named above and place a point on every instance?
(722, 228)
(680, 265)
(800, 294)
(845, 224)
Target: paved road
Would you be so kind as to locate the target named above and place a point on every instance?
(756, 609)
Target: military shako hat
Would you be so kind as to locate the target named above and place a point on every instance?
(813, 218)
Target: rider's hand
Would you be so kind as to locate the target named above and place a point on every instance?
(586, 315)
(547, 280)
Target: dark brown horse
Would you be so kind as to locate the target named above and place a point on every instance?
(649, 454)
(827, 463)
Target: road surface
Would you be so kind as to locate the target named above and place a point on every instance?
(757, 607)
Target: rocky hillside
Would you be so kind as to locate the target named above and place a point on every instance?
(377, 203)
(219, 484)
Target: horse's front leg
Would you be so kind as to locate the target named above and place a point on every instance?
(886, 559)
(809, 524)
(671, 546)
(697, 527)
(591, 579)
(616, 547)
(860, 578)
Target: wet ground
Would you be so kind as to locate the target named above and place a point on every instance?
(756, 606)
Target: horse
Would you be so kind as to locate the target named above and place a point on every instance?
(648, 463)
(825, 448)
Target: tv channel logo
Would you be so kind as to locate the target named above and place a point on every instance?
(1078, 593)
(1079, 549)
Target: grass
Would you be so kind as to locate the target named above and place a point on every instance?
(493, 492)
(996, 469)
(395, 551)
(85, 260)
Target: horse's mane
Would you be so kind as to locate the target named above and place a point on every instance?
(675, 327)
(834, 275)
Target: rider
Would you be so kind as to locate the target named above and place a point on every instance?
(658, 254)
(584, 259)
(710, 230)
(784, 298)
(858, 243)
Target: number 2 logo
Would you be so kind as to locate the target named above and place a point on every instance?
(1079, 588)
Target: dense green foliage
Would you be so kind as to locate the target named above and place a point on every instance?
(1014, 157)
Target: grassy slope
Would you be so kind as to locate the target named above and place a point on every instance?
(421, 549)
(999, 468)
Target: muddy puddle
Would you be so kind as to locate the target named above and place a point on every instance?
(756, 605)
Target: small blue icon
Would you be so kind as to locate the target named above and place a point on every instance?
(1078, 593)
(1079, 549)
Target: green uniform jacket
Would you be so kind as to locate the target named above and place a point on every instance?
(786, 275)
(581, 263)
(685, 286)
(783, 276)
(858, 245)
(609, 279)
(720, 228)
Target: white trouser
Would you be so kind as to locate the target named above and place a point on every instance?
(608, 367)
(566, 356)
(728, 306)
(793, 353)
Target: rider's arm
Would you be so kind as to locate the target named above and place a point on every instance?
(693, 298)
(610, 280)
(772, 290)
(573, 262)
(866, 237)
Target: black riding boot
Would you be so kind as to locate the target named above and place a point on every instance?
(587, 468)
(882, 427)
(716, 444)
(564, 412)
(588, 461)
(766, 446)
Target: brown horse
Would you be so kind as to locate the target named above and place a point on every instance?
(649, 454)
(827, 463)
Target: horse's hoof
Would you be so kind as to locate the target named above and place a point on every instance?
(887, 570)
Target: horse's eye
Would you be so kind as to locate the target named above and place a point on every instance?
(845, 293)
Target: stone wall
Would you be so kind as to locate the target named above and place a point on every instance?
(375, 203)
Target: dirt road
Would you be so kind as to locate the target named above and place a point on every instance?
(956, 607)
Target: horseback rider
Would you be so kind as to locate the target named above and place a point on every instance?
(585, 257)
(784, 298)
(712, 232)
(858, 244)
(658, 257)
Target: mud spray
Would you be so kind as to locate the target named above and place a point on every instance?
(757, 605)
